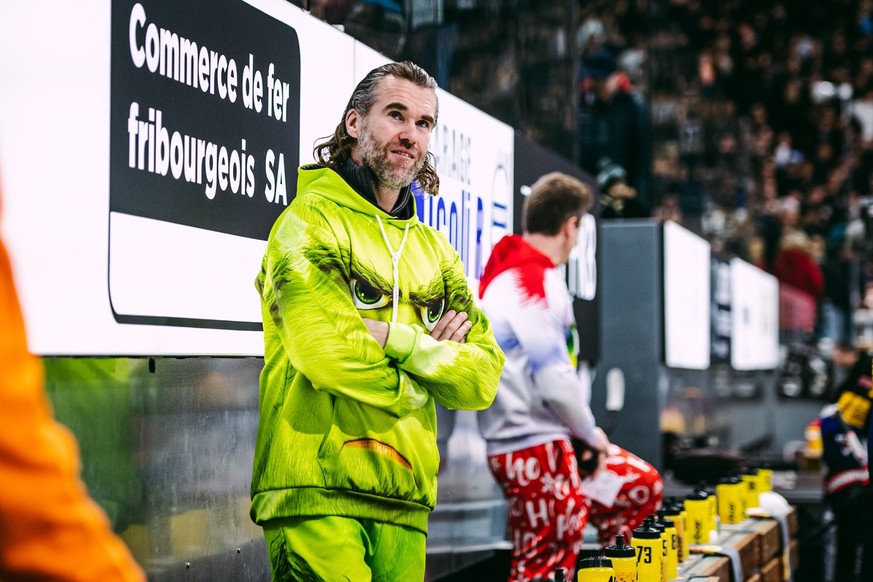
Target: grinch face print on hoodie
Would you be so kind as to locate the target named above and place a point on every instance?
(420, 299)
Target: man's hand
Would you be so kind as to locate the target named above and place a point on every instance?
(600, 447)
(601, 461)
(452, 326)
(601, 441)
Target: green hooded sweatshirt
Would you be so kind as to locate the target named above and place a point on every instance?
(346, 427)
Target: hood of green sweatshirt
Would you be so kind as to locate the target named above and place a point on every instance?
(329, 184)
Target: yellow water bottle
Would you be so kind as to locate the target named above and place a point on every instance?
(765, 479)
(714, 520)
(646, 541)
(594, 569)
(697, 508)
(676, 511)
(660, 527)
(672, 558)
(752, 481)
(624, 560)
(731, 506)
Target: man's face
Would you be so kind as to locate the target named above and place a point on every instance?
(393, 137)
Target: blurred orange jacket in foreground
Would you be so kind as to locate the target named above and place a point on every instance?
(49, 528)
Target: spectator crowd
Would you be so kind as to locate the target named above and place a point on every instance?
(785, 184)
(768, 107)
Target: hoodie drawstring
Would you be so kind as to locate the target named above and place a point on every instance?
(395, 261)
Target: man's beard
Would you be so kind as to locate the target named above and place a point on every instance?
(374, 154)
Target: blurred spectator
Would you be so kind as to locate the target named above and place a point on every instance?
(844, 427)
(784, 153)
(862, 111)
(839, 300)
(430, 39)
(591, 30)
(614, 122)
(794, 264)
(331, 11)
(632, 60)
(617, 198)
(668, 209)
(379, 24)
(690, 192)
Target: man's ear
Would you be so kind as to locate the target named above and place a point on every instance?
(569, 225)
(353, 123)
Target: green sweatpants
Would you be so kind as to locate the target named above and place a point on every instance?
(307, 549)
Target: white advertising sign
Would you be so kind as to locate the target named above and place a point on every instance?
(686, 298)
(473, 154)
(755, 318)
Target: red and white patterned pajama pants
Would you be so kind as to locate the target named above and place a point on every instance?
(548, 512)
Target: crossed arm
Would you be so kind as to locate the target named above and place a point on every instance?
(452, 326)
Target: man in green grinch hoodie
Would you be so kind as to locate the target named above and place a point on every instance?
(368, 320)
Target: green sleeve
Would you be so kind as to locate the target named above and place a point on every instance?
(321, 332)
(458, 375)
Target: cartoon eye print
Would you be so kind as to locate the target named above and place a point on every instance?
(365, 296)
(431, 312)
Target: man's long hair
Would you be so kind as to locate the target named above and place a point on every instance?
(336, 149)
